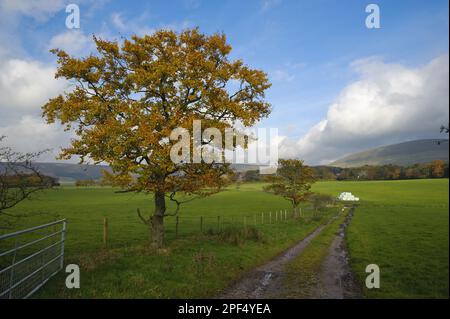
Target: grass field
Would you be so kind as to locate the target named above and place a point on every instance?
(195, 265)
(401, 225)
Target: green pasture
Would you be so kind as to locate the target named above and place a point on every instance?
(196, 264)
(402, 226)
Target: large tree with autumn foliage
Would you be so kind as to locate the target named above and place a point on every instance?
(128, 97)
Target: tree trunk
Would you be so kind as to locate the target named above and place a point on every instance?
(157, 222)
(296, 214)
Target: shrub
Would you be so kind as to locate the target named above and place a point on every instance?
(238, 235)
(320, 201)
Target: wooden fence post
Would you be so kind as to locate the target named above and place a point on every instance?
(201, 224)
(276, 216)
(285, 214)
(105, 231)
(262, 218)
(270, 217)
(254, 219)
(176, 226)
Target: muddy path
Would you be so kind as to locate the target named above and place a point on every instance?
(266, 281)
(336, 278)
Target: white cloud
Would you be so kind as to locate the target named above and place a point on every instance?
(136, 26)
(269, 4)
(140, 27)
(117, 21)
(26, 85)
(388, 104)
(282, 76)
(32, 134)
(74, 42)
(40, 10)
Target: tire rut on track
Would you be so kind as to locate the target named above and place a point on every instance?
(336, 278)
(266, 281)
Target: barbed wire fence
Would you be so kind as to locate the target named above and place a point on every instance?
(126, 230)
(181, 226)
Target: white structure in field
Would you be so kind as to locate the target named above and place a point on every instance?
(347, 196)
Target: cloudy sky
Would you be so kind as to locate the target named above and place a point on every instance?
(338, 87)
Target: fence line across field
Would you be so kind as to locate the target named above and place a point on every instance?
(25, 268)
(180, 225)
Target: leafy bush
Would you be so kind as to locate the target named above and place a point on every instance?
(237, 235)
(320, 201)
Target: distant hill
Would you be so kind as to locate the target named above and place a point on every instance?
(69, 173)
(407, 153)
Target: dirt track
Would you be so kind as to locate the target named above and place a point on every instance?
(266, 280)
(336, 280)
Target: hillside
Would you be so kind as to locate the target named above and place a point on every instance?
(68, 173)
(407, 153)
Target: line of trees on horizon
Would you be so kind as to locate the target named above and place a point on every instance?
(435, 169)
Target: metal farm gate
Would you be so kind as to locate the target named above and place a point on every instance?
(28, 258)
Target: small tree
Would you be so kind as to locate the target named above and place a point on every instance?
(438, 168)
(19, 177)
(128, 99)
(292, 181)
(320, 201)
